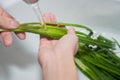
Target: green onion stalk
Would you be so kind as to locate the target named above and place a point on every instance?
(95, 58)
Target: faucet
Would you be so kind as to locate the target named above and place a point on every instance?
(36, 8)
(31, 1)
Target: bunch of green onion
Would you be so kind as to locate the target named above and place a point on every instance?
(95, 57)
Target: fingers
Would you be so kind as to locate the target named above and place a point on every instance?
(5, 13)
(6, 20)
(69, 42)
(49, 17)
(44, 41)
(8, 23)
(6, 38)
(71, 31)
(21, 36)
(74, 39)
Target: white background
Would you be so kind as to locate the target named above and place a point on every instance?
(19, 62)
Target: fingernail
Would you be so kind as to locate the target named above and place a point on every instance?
(14, 24)
(71, 30)
(21, 36)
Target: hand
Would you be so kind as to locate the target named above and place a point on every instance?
(66, 46)
(8, 22)
(57, 56)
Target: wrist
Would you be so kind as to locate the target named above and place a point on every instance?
(59, 68)
(56, 59)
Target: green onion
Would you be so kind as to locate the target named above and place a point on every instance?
(97, 63)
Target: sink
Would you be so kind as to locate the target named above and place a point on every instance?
(19, 62)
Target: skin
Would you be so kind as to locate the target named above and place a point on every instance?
(8, 22)
(56, 57)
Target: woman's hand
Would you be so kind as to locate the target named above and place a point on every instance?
(8, 22)
(57, 56)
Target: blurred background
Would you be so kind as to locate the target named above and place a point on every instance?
(19, 62)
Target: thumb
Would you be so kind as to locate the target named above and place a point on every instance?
(8, 23)
(74, 39)
(69, 42)
(71, 31)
